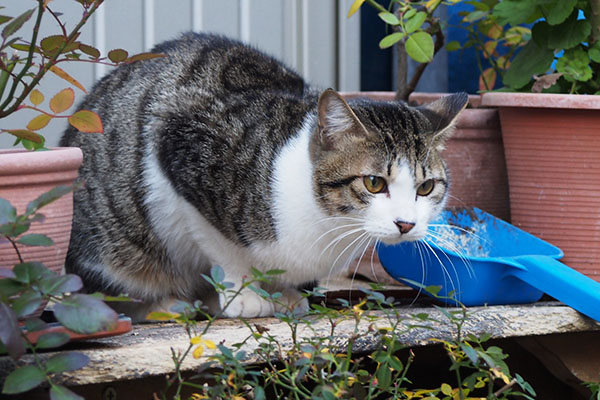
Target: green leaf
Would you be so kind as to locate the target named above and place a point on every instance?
(47, 198)
(57, 285)
(16, 23)
(475, 15)
(14, 229)
(85, 314)
(217, 274)
(514, 12)
(10, 287)
(4, 19)
(419, 47)
(470, 352)
(35, 325)
(557, 11)
(27, 303)
(23, 379)
(391, 40)
(10, 333)
(35, 239)
(31, 272)
(51, 43)
(389, 18)
(594, 52)
(532, 59)
(384, 376)
(274, 272)
(575, 65)
(58, 392)
(415, 22)
(453, 45)
(8, 213)
(569, 34)
(51, 340)
(64, 362)
(117, 55)
(259, 393)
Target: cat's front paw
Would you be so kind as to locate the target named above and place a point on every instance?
(247, 304)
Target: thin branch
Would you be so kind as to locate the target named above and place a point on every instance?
(439, 43)
(14, 245)
(46, 66)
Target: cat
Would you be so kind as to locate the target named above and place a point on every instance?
(218, 154)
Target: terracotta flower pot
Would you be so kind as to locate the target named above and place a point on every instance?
(24, 176)
(475, 158)
(552, 147)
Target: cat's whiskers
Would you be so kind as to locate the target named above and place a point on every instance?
(454, 247)
(339, 238)
(361, 238)
(359, 260)
(444, 269)
(335, 228)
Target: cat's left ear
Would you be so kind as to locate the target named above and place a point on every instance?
(336, 119)
(443, 114)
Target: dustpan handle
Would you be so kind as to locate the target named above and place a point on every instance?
(561, 282)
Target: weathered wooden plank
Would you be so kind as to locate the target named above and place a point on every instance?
(147, 350)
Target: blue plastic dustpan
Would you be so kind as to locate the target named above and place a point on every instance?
(478, 259)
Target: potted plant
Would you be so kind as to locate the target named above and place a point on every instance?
(33, 245)
(550, 116)
(27, 173)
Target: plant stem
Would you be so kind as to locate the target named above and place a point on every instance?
(14, 245)
(4, 111)
(439, 43)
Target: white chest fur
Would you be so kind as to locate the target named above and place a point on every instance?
(309, 246)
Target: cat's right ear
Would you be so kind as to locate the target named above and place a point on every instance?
(336, 120)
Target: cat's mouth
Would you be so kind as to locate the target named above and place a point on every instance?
(401, 238)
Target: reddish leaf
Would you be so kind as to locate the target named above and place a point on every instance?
(25, 134)
(487, 80)
(16, 23)
(89, 50)
(144, 56)
(62, 101)
(544, 82)
(117, 55)
(86, 121)
(36, 97)
(63, 74)
(39, 122)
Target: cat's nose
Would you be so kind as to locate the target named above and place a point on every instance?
(404, 226)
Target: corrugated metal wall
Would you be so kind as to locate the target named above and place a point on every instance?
(312, 36)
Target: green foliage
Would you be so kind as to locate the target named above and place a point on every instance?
(25, 288)
(560, 54)
(414, 25)
(321, 366)
(25, 59)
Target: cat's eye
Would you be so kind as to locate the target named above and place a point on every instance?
(375, 184)
(426, 187)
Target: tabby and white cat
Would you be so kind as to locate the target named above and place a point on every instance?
(220, 155)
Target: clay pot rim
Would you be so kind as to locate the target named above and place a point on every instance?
(417, 98)
(21, 161)
(541, 100)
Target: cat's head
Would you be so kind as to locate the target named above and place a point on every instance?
(378, 164)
